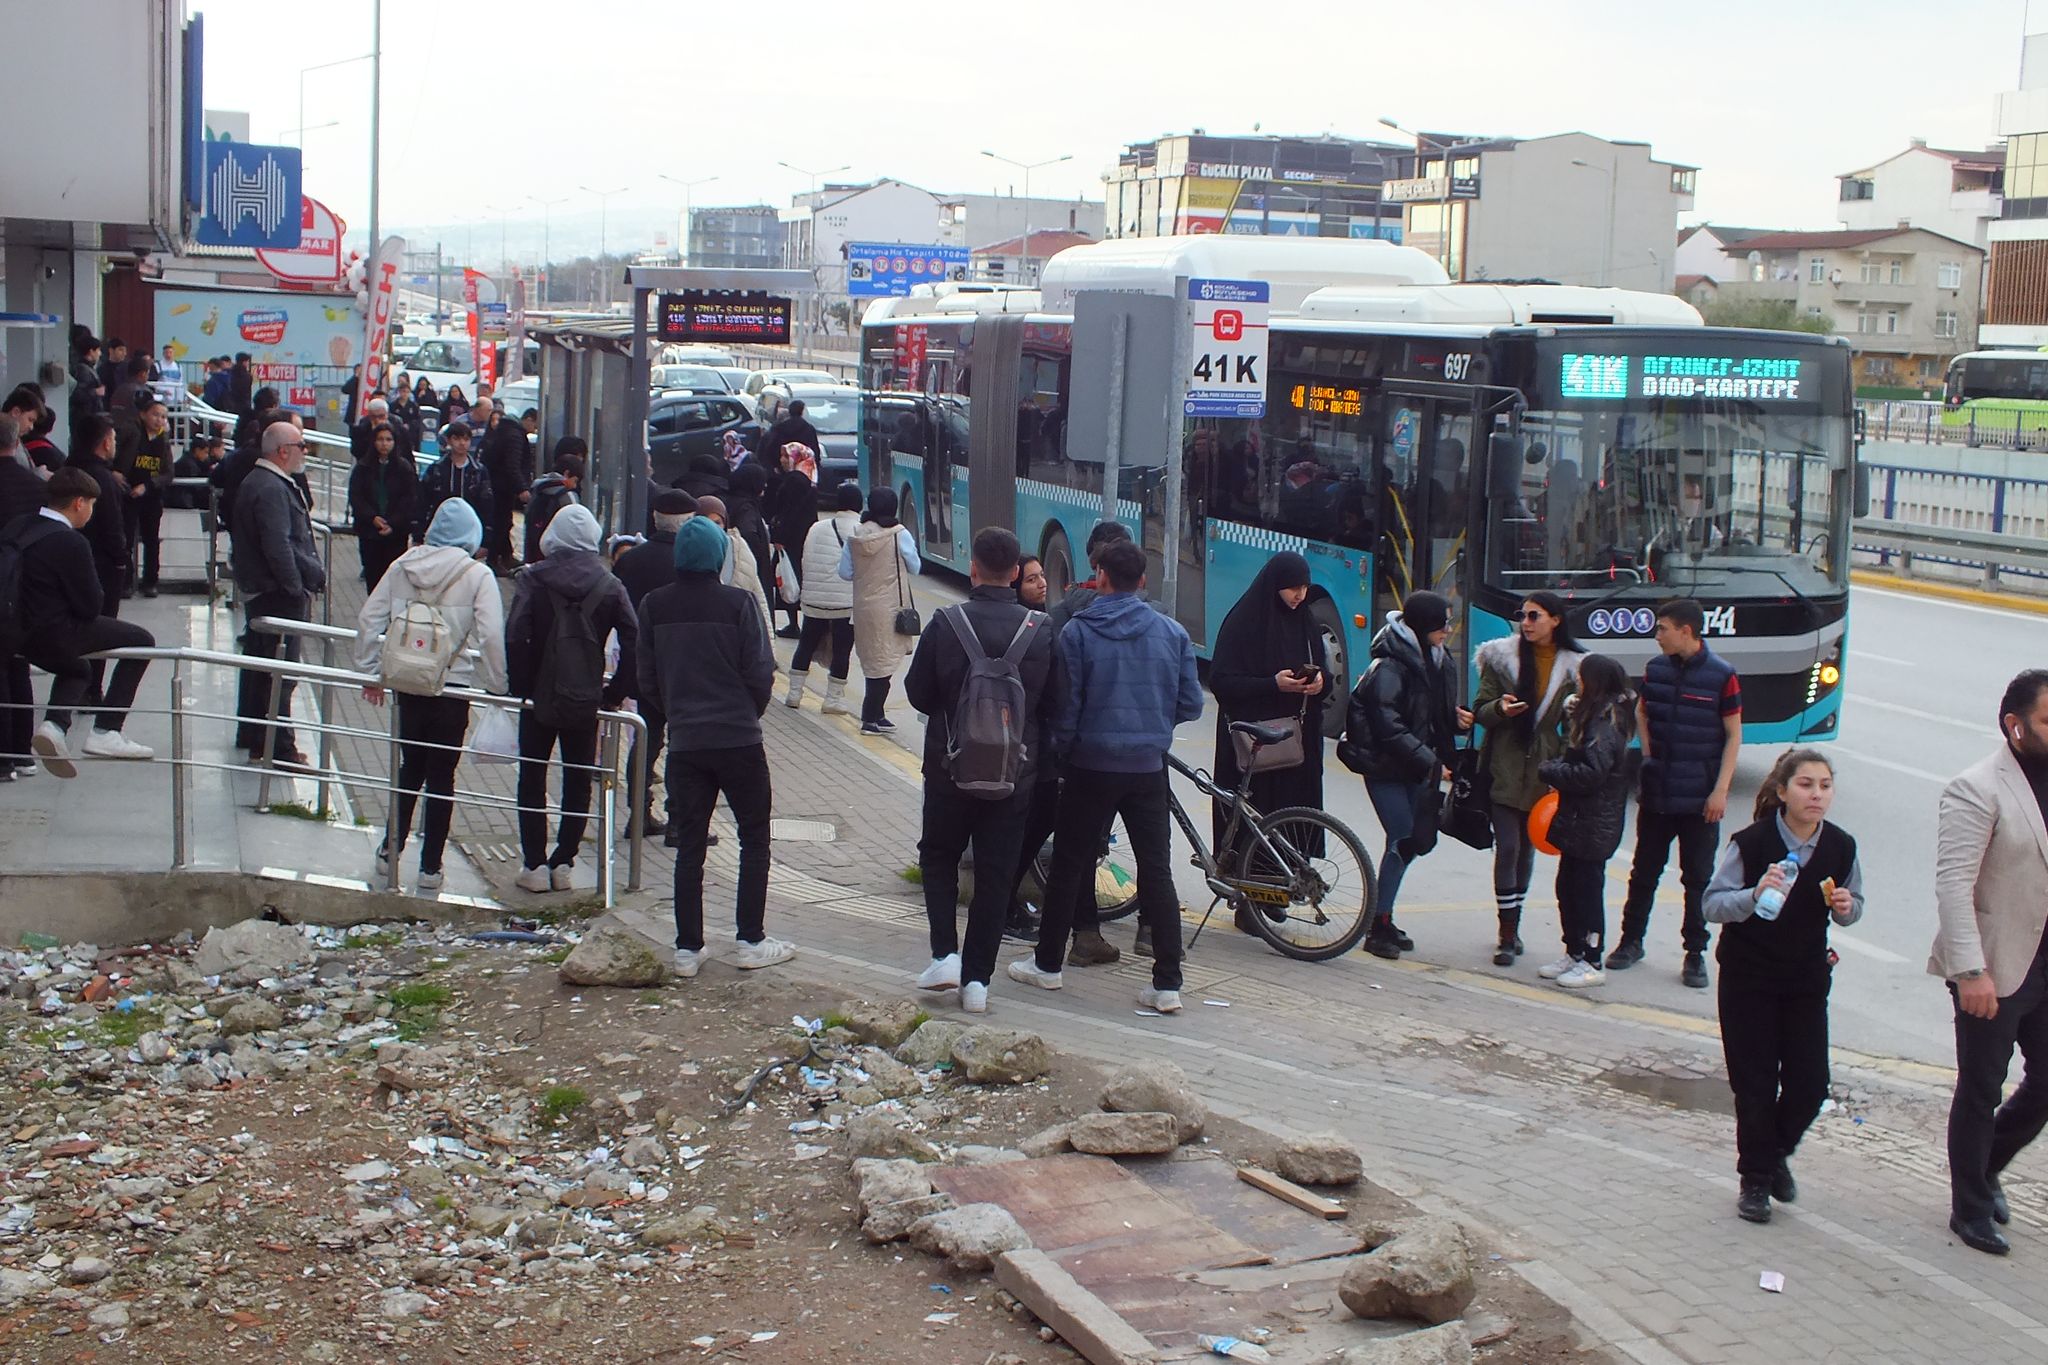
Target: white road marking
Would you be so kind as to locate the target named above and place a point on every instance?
(1974, 727)
(1882, 658)
(1869, 950)
(1874, 761)
(1945, 604)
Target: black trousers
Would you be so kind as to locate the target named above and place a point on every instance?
(815, 631)
(71, 676)
(17, 689)
(1582, 906)
(252, 701)
(145, 520)
(498, 535)
(430, 735)
(1774, 1035)
(1699, 839)
(952, 821)
(1089, 801)
(378, 554)
(875, 702)
(1039, 822)
(696, 777)
(657, 741)
(537, 741)
(1984, 1135)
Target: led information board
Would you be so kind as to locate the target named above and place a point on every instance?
(1331, 398)
(1762, 379)
(713, 315)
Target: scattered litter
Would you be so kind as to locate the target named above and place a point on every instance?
(806, 1151)
(1148, 1014)
(943, 1319)
(367, 1172)
(942, 1288)
(760, 1337)
(1232, 1347)
(1771, 1282)
(1219, 1004)
(1373, 985)
(807, 1025)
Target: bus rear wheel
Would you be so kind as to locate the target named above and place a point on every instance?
(1059, 566)
(1329, 627)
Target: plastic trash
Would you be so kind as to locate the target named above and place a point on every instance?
(1771, 901)
(1232, 1348)
(510, 936)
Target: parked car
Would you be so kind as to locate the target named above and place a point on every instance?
(735, 376)
(697, 378)
(696, 355)
(834, 409)
(519, 395)
(680, 425)
(760, 380)
(446, 360)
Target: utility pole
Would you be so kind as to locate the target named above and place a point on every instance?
(376, 102)
(603, 203)
(545, 205)
(1025, 255)
(437, 286)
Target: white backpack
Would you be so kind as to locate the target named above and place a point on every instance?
(419, 649)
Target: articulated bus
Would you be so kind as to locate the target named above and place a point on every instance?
(1481, 440)
(1997, 397)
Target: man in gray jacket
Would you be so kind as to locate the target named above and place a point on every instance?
(277, 572)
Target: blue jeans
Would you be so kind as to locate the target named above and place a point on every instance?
(1398, 804)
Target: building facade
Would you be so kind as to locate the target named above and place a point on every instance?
(1570, 209)
(2016, 286)
(736, 237)
(974, 220)
(1906, 298)
(1703, 251)
(1958, 194)
(1254, 185)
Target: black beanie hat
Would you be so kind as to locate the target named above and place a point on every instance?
(1424, 612)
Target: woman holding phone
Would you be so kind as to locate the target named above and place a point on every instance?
(1269, 666)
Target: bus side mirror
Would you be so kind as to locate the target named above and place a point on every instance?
(1860, 498)
(1503, 465)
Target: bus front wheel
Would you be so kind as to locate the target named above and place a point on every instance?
(1329, 627)
(1059, 566)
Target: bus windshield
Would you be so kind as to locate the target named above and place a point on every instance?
(1671, 497)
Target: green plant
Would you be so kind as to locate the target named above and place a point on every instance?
(121, 1028)
(650, 997)
(444, 1202)
(557, 955)
(359, 937)
(296, 811)
(913, 874)
(833, 1020)
(561, 1101)
(417, 1008)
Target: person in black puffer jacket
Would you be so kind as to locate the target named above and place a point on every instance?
(1591, 778)
(1402, 726)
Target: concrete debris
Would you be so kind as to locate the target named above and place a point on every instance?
(263, 945)
(931, 1044)
(989, 1056)
(876, 1135)
(1320, 1159)
(971, 1237)
(1450, 1344)
(1425, 1274)
(1157, 1088)
(611, 955)
(1124, 1134)
(884, 1023)
(1048, 1142)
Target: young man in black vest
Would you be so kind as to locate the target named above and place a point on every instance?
(1690, 718)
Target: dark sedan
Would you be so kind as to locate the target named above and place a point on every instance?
(834, 409)
(683, 425)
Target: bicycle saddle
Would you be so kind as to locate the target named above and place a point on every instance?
(1261, 734)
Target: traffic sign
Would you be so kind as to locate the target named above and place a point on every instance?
(885, 269)
(1227, 376)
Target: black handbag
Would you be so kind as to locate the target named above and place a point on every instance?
(908, 622)
(1468, 814)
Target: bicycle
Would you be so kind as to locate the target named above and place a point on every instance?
(1277, 872)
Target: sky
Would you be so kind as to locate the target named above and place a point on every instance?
(489, 105)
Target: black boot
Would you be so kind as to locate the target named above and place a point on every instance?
(1380, 942)
(1754, 1203)
(1784, 1188)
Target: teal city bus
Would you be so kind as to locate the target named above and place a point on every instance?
(1481, 440)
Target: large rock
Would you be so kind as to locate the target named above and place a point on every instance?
(261, 944)
(21, 1284)
(1157, 1088)
(1319, 1159)
(970, 1237)
(1124, 1134)
(610, 955)
(887, 1181)
(1048, 1142)
(931, 1044)
(1424, 1274)
(251, 1016)
(890, 1078)
(990, 1056)
(884, 1023)
(1450, 1344)
(892, 1222)
(874, 1135)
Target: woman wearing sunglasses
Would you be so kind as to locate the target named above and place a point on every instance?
(1524, 683)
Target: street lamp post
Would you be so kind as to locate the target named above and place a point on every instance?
(1447, 150)
(545, 205)
(603, 202)
(504, 260)
(1028, 169)
(1607, 245)
(810, 251)
(683, 237)
(320, 66)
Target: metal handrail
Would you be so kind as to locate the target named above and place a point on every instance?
(1991, 550)
(611, 722)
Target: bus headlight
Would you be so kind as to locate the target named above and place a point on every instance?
(1829, 675)
(1825, 676)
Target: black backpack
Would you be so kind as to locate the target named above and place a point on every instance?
(14, 545)
(568, 687)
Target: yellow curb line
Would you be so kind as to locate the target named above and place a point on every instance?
(1920, 587)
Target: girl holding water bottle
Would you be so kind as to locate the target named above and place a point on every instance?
(1780, 883)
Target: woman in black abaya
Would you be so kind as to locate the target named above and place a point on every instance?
(1268, 664)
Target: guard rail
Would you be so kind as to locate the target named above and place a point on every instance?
(1900, 544)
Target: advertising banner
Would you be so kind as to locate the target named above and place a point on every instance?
(275, 329)
(884, 269)
(382, 283)
(252, 197)
(317, 258)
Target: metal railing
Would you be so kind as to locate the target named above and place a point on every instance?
(615, 728)
(1898, 545)
(1930, 423)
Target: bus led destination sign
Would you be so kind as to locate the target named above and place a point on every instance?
(1752, 378)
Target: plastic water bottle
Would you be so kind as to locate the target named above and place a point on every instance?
(1232, 1348)
(1772, 899)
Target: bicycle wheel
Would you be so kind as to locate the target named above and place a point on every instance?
(1320, 903)
(1116, 876)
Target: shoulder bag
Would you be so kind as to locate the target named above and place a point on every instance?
(1468, 814)
(908, 622)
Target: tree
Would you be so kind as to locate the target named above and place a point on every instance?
(1775, 315)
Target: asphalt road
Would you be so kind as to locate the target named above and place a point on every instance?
(1923, 679)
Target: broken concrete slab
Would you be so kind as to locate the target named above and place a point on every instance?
(1424, 1274)
(1124, 1134)
(263, 944)
(1080, 1319)
(1319, 1159)
(613, 955)
(1449, 1344)
(1157, 1087)
(989, 1056)
(873, 1135)
(891, 1222)
(883, 1023)
(969, 1237)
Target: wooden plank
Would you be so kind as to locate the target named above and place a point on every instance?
(1209, 1187)
(1291, 1192)
(1082, 1320)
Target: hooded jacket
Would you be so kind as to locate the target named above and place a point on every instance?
(572, 569)
(466, 592)
(1403, 712)
(1591, 778)
(1514, 759)
(551, 493)
(1131, 678)
(705, 653)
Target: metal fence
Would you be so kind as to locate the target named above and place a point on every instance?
(1922, 423)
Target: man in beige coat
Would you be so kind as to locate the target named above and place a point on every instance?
(1991, 890)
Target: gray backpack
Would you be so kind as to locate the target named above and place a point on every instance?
(988, 737)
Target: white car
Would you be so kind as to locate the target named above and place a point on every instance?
(697, 378)
(761, 379)
(446, 360)
(696, 355)
(519, 395)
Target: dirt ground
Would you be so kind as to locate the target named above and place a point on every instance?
(253, 1221)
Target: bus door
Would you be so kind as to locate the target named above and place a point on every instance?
(1427, 509)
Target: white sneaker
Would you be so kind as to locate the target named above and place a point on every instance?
(974, 997)
(114, 744)
(431, 882)
(1166, 1002)
(769, 951)
(1581, 975)
(688, 960)
(562, 878)
(942, 975)
(54, 748)
(534, 879)
(1551, 971)
(1025, 969)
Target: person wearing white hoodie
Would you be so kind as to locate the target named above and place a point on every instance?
(827, 604)
(446, 573)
